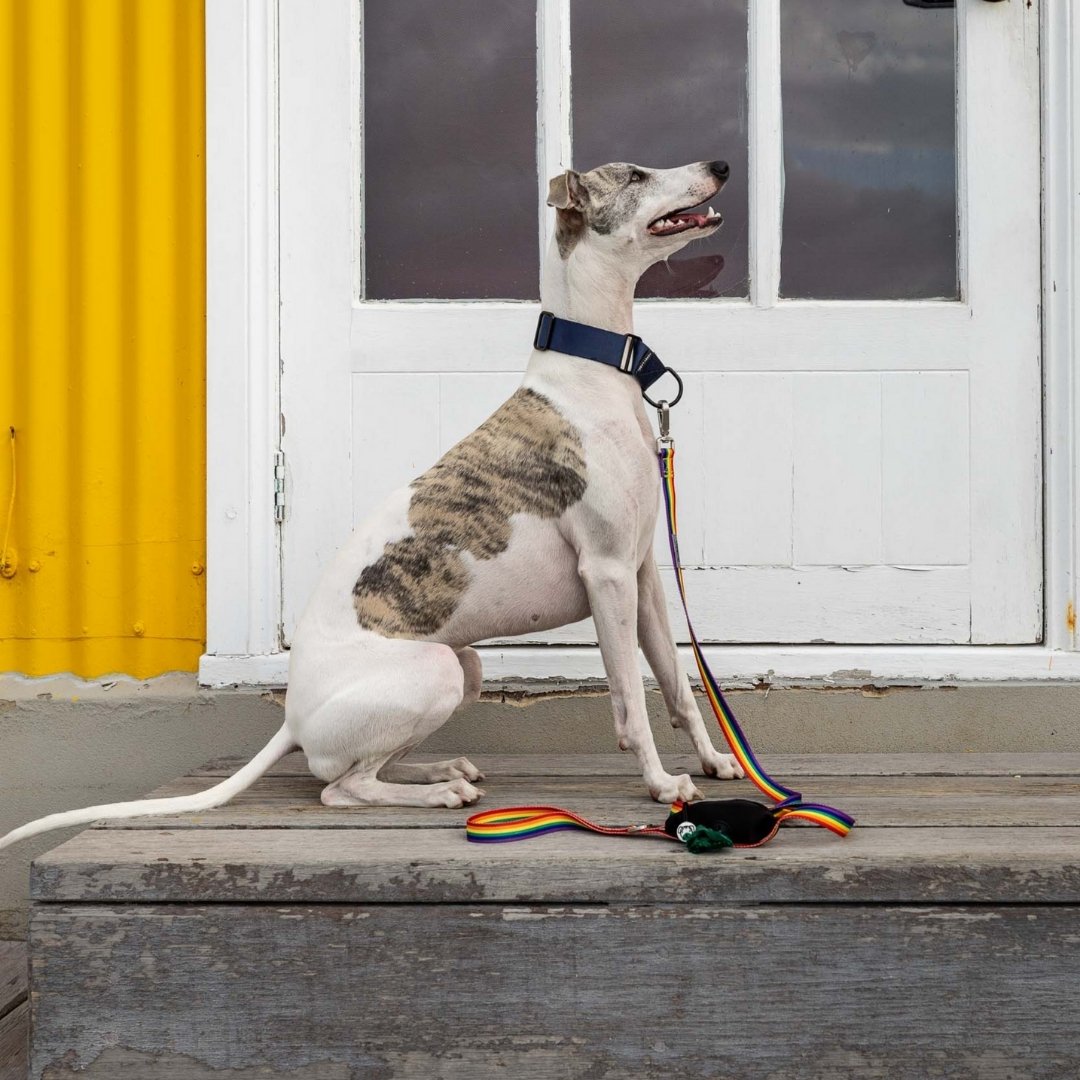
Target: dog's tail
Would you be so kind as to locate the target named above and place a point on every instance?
(280, 745)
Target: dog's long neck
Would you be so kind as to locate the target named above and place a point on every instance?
(589, 287)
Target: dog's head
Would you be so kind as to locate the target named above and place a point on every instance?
(638, 214)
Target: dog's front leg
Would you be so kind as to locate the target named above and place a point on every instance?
(612, 589)
(658, 645)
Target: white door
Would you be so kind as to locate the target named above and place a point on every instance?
(859, 442)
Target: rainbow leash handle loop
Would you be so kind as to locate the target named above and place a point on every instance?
(708, 824)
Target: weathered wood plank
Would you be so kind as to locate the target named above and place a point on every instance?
(954, 865)
(782, 765)
(14, 1043)
(892, 801)
(281, 811)
(422, 993)
(304, 789)
(12, 975)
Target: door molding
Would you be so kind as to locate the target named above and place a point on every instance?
(1060, 54)
(244, 561)
(243, 601)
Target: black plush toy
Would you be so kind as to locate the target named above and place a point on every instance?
(710, 824)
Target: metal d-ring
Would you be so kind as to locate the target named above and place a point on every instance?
(678, 396)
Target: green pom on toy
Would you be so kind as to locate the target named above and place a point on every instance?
(704, 839)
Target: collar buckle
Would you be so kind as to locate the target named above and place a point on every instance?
(545, 326)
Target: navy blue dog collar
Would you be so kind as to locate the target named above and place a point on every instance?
(627, 352)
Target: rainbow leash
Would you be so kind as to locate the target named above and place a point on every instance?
(836, 820)
(739, 823)
(704, 825)
(523, 822)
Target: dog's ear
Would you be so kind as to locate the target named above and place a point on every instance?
(566, 191)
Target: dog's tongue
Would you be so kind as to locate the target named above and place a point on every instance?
(698, 219)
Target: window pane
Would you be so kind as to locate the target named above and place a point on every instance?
(450, 185)
(664, 85)
(869, 150)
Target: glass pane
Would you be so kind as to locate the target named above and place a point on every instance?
(869, 150)
(664, 85)
(450, 186)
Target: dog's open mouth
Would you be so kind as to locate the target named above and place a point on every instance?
(680, 220)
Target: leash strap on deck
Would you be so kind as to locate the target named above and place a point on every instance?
(523, 822)
(703, 825)
(836, 820)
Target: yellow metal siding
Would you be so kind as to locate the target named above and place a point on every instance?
(102, 335)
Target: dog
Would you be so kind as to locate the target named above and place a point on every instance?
(543, 515)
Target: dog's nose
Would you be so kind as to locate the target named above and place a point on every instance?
(719, 169)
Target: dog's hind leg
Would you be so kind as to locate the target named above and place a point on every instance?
(429, 772)
(471, 669)
(407, 772)
(396, 694)
(356, 789)
(658, 645)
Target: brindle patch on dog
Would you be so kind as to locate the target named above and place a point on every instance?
(524, 459)
(569, 229)
(612, 199)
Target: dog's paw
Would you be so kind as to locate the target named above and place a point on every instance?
(457, 793)
(722, 766)
(463, 768)
(671, 789)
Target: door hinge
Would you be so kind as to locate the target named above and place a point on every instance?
(279, 486)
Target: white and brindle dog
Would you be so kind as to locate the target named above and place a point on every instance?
(541, 516)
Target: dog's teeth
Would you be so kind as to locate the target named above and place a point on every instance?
(711, 213)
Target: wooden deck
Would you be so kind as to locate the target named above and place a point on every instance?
(278, 938)
(14, 1011)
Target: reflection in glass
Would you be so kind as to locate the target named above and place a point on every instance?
(450, 149)
(663, 85)
(869, 93)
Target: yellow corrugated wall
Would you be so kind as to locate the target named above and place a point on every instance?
(102, 335)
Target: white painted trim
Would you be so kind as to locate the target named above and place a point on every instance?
(243, 556)
(1061, 347)
(962, 194)
(554, 146)
(737, 665)
(826, 335)
(766, 152)
(1000, 83)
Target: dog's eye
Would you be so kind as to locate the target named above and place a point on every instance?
(636, 177)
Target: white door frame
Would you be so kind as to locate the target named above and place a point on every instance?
(243, 416)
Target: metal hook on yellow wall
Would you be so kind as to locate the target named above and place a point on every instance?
(8, 562)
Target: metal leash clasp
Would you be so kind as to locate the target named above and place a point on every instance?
(663, 412)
